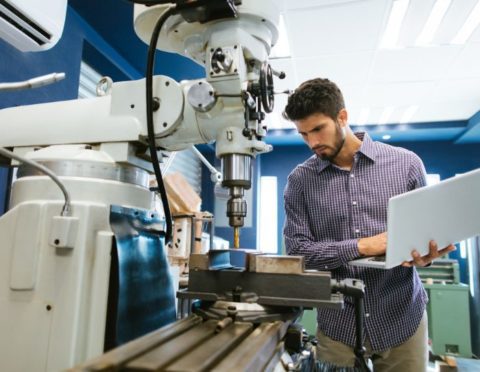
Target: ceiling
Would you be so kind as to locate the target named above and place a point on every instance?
(404, 90)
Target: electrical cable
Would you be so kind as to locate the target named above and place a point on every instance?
(67, 208)
(36, 82)
(150, 125)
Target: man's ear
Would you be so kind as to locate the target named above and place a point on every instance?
(342, 117)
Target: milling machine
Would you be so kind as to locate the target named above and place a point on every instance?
(82, 276)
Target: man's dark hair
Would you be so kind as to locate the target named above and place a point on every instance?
(316, 96)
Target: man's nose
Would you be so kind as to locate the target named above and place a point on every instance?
(312, 141)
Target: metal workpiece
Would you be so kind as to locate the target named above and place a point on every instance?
(201, 96)
(268, 263)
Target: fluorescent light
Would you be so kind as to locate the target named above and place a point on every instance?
(282, 47)
(408, 114)
(386, 136)
(385, 116)
(395, 20)
(468, 27)
(363, 116)
(433, 22)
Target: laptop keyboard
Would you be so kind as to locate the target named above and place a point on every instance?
(378, 258)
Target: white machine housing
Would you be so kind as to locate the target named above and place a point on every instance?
(32, 25)
(53, 299)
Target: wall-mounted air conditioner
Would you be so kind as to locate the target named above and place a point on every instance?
(32, 25)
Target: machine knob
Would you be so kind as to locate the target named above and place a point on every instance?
(201, 96)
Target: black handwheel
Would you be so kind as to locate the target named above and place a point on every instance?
(266, 87)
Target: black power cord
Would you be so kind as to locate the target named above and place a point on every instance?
(150, 125)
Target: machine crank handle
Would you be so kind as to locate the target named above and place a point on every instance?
(356, 289)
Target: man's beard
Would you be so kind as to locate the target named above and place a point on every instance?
(337, 146)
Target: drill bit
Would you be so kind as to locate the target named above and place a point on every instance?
(236, 237)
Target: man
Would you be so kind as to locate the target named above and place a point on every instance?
(336, 211)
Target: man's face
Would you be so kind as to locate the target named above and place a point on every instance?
(322, 134)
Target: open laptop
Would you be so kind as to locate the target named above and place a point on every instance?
(447, 212)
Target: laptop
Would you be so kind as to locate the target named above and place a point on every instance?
(447, 212)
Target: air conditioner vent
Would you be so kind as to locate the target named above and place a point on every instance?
(23, 24)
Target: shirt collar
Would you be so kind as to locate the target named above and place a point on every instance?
(367, 148)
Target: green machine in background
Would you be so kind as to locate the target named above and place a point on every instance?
(448, 308)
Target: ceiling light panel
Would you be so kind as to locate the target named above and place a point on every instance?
(469, 26)
(416, 17)
(453, 20)
(394, 24)
(433, 22)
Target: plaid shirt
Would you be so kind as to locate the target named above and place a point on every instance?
(328, 209)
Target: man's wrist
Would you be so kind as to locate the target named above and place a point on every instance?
(362, 247)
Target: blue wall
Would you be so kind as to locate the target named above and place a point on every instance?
(444, 158)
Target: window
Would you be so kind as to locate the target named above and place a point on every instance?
(432, 179)
(89, 78)
(267, 239)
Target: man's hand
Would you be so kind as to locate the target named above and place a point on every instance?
(373, 246)
(427, 259)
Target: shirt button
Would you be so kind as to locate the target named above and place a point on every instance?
(354, 203)
(357, 231)
(352, 175)
(326, 267)
(367, 315)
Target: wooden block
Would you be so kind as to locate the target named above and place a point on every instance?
(181, 193)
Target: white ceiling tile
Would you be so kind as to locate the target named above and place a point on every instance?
(399, 94)
(415, 18)
(456, 90)
(343, 69)
(338, 39)
(412, 64)
(466, 64)
(349, 26)
(447, 111)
